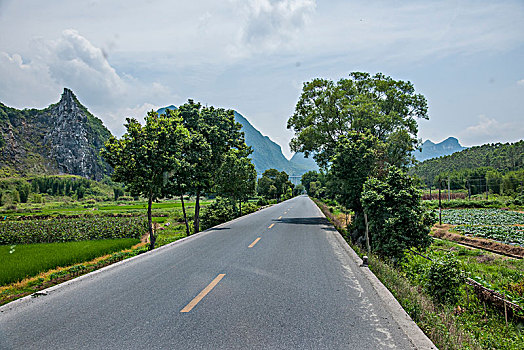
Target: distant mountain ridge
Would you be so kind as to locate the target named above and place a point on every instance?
(266, 153)
(502, 157)
(64, 138)
(435, 150)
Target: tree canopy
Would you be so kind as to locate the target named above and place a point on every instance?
(378, 105)
(145, 155)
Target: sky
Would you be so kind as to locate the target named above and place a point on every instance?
(124, 58)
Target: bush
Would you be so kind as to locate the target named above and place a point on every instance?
(222, 210)
(444, 279)
(262, 201)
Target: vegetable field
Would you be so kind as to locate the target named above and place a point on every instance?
(66, 229)
(500, 225)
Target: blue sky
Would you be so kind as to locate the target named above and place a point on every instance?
(123, 58)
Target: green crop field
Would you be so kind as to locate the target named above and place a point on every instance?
(20, 261)
(501, 225)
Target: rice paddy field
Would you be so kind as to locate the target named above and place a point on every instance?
(24, 260)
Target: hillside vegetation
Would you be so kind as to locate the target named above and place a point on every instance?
(497, 167)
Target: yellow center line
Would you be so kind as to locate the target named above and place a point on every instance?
(254, 242)
(271, 225)
(280, 217)
(203, 293)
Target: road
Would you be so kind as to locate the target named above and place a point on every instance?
(275, 279)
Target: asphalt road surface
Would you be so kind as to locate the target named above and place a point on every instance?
(275, 279)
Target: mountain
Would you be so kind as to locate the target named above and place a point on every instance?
(266, 153)
(64, 138)
(300, 161)
(503, 157)
(434, 150)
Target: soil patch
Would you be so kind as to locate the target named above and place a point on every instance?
(442, 232)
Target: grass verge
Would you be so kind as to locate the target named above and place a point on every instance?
(469, 324)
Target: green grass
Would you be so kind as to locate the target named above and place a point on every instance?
(26, 260)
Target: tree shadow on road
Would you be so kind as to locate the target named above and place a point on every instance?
(306, 221)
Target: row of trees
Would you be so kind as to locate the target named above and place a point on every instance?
(479, 180)
(193, 150)
(19, 190)
(362, 131)
(473, 162)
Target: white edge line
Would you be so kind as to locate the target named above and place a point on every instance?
(409, 327)
(19, 302)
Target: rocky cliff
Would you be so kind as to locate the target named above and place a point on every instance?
(63, 138)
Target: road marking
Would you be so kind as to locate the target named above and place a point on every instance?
(271, 225)
(254, 242)
(280, 217)
(203, 293)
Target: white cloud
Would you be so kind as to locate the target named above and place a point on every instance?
(489, 130)
(520, 82)
(272, 24)
(73, 61)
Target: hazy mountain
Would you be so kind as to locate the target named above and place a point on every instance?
(63, 138)
(300, 161)
(434, 150)
(266, 153)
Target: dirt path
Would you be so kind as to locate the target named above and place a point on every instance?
(442, 232)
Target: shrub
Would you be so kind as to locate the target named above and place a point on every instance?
(220, 211)
(444, 279)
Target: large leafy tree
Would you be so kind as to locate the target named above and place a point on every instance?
(237, 177)
(378, 105)
(145, 155)
(214, 132)
(356, 158)
(397, 218)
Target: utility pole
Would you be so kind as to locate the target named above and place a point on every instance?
(486, 188)
(449, 193)
(469, 189)
(439, 205)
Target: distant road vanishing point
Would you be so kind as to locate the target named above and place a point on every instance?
(280, 278)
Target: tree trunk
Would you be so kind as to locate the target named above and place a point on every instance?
(150, 223)
(185, 216)
(197, 213)
(240, 207)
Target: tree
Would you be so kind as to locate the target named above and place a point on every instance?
(237, 177)
(377, 105)
(308, 178)
(356, 158)
(215, 131)
(144, 156)
(397, 218)
(273, 184)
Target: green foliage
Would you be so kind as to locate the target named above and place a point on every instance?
(355, 160)
(444, 279)
(20, 261)
(222, 210)
(145, 156)
(237, 178)
(397, 218)
(274, 184)
(377, 104)
(473, 166)
(67, 229)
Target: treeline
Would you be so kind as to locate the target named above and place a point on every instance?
(362, 131)
(23, 190)
(193, 150)
(494, 168)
